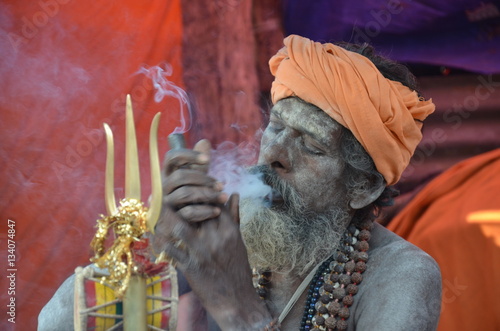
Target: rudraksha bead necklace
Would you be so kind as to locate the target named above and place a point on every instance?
(335, 283)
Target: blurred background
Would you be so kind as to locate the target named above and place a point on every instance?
(67, 65)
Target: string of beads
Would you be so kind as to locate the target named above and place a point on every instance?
(331, 291)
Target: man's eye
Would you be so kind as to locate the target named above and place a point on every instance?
(311, 148)
(275, 126)
(315, 151)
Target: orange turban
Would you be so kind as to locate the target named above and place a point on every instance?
(385, 116)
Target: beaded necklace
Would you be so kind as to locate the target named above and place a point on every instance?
(334, 284)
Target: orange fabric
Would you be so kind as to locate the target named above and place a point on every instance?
(66, 68)
(383, 115)
(456, 219)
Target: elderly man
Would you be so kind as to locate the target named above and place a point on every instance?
(341, 131)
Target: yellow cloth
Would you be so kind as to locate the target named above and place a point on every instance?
(384, 116)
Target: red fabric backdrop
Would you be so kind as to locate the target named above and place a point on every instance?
(65, 69)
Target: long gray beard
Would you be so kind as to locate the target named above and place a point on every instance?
(289, 239)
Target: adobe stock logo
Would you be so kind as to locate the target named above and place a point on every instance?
(32, 24)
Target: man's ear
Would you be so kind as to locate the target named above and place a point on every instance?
(362, 199)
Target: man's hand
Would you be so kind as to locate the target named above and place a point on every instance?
(199, 228)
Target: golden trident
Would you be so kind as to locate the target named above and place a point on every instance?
(129, 222)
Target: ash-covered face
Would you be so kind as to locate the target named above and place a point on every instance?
(301, 145)
(300, 159)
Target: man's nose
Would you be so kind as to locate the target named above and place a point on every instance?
(276, 152)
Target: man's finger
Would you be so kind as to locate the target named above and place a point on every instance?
(185, 177)
(204, 148)
(184, 158)
(171, 226)
(174, 247)
(176, 251)
(199, 213)
(188, 195)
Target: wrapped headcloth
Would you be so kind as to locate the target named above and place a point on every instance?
(385, 116)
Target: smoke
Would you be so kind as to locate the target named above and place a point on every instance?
(230, 161)
(165, 88)
(230, 164)
(42, 84)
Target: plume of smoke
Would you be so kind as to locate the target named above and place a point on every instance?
(230, 161)
(230, 164)
(165, 88)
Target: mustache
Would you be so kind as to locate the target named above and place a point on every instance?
(283, 193)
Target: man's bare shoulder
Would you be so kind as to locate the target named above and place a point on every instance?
(401, 287)
(391, 256)
(388, 247)
(57, 314)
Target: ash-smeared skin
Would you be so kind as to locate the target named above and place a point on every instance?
(301, 145)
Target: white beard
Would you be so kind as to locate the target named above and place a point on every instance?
(289, 240)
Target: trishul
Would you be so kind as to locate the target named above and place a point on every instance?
(132, 175)
(129, 222)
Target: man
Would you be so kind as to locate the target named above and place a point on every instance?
(339, 134)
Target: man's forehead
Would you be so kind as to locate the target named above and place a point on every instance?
(306, 117)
